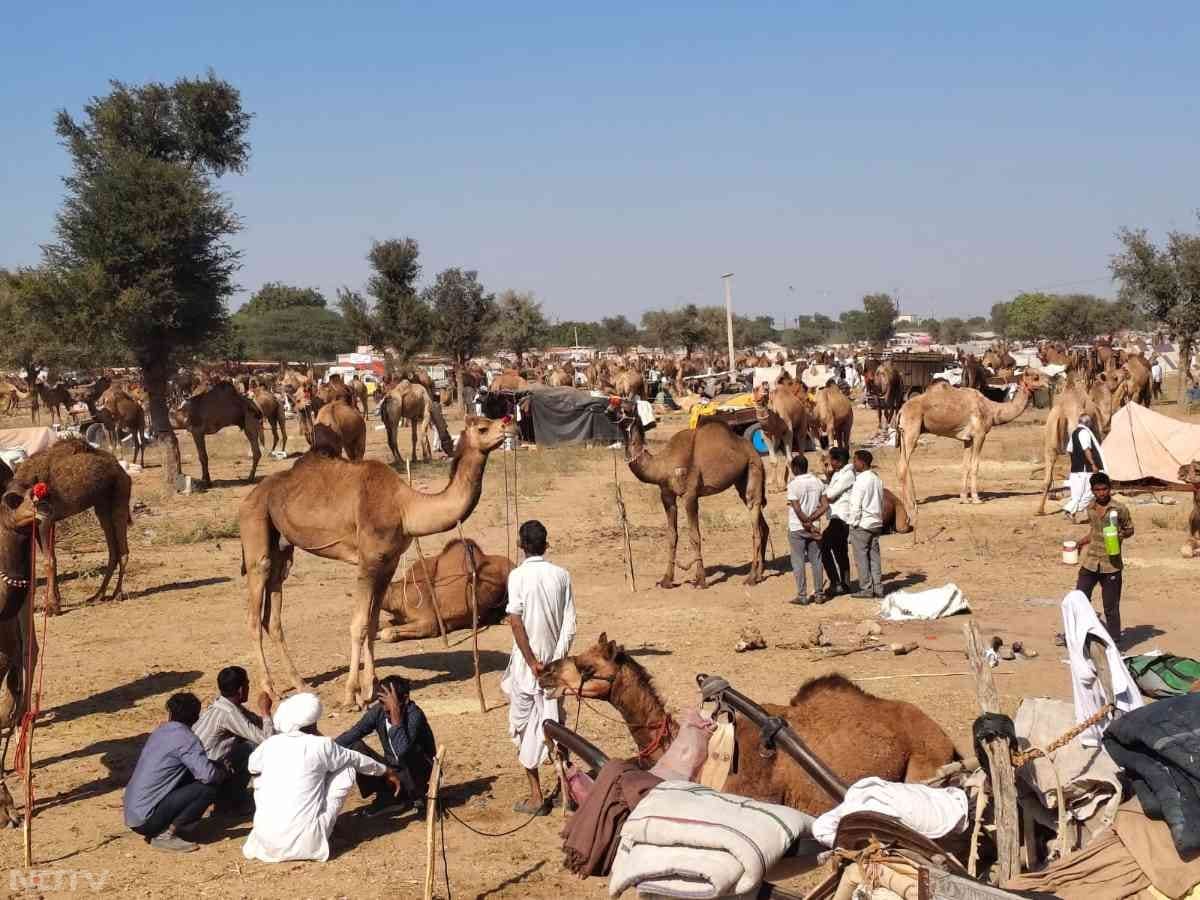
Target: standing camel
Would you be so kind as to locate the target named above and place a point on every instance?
(347, 423)
(1069, 405)
(889, 389)
(362, 513)
(56, 399)
(784, 416)
(11, 396)
(78, 477)
(272, 413)
(960, 413)
(698, 462)
(221, 406)
(833, 417)
(412, 403)
(117, 412)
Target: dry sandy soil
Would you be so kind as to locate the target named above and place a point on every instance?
(109, 668)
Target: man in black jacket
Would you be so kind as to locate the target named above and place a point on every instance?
(407, 742)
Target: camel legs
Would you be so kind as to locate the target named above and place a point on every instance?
(752, 495)
(908, 488)
(53, 597)
(282, 433)
(691, 506)
(202, 454)
(364, 626)
(671, 509)
(409, 631)
(976, 456)
(1051, 456)
(253, 429)
(114, 521)
(281, 562)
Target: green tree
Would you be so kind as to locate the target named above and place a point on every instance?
(520, 324)
(293, 334)
(462, 315)
(933, 327)
(685, 327)
(977, 323)
(1025, 316)
(999, 318)
(397, 316)
(563, 334)
(617, 332)
(879, 317)
(954, 331)
(142, 257)
(750, 332)
(277, 295)
(1165, 283)
(854, 325)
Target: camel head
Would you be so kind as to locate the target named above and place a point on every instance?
(1190, 473)
(18, 511)
(589, 674)
(484, 435)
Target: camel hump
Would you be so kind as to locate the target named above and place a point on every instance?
(825, 684)
(326, 441)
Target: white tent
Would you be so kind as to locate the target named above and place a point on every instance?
(1144, 444)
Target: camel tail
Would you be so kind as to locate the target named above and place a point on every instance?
(243, 560)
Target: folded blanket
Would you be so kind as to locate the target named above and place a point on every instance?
(590, 836)
(685, 840)
(933, 812)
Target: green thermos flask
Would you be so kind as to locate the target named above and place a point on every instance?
(1112, 540)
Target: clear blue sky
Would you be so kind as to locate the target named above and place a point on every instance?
(621, 160)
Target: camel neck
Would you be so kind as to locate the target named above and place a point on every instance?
(435, 513)
(644, 713)
(642, 462)
(1003, 413)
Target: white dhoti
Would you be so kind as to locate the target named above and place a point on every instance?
(1081, 492)
(527, 710)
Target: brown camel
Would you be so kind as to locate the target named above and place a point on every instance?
(697, 462)
(412, 403)
(895, 515)
(833, 417)
(56, 399)
(784, 416)
(272, 413)
(78, 477)
(561, 376)
(1071, 403)
(407, 600)
(118, 412)
(1136, 386)
(855, 733)
(1190, 474)
(347, 423)
(362, 396)
(362, 513)
(11, 396)
(630, 385)
(960, 413)
(508, 380)
(889, 388)
(221, 406)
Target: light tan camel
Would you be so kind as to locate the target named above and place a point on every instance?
(362, 396)
(408, 402)
(697, 462)
(508, 380)
(11, 396)
(1136, 386)
(1190, 474)
(272, 413)
(1071, 403)
(560, 377)
(856, 734)
(630, 385)
(833, 417)
(347, 423)
(960, 413)
(407, 600)
(1102, 397)
(78, 477)
(362, 513)
(784, 416)
(118, 412)
(221, 406)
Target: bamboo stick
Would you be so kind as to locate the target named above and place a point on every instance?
(431, 814)
(474, 617)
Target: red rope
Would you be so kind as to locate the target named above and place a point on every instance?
(35, 703)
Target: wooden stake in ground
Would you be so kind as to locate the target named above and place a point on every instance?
(624, 527)
(433, 599)
(431, 814)
(1003, 779)
(474, 617)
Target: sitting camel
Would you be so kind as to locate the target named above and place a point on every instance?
(407, 600)
(960, 413)
(698, 462)
(833, 417)
(272, 413)
(855, 733)
(78, 477)
(348, 424)
(362, 513)
(221, 406)
(412, 403)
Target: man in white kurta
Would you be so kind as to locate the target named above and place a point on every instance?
(1083, 449)
(541, 612)
(301, 782)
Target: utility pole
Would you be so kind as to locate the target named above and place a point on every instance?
(729, 314)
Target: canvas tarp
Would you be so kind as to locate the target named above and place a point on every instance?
(1144, 444)
(31, 440)
(565, 415)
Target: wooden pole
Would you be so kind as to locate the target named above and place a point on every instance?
(474, 617)
(433, 599)
(624, 527)
(1003, 778)
(431, 814)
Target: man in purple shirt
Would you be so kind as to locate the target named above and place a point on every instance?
(174, 781)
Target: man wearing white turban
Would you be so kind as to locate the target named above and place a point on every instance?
(301, 781)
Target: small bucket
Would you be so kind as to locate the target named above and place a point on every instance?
(1070, 553)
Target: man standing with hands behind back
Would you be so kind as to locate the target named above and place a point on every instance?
(541, 613)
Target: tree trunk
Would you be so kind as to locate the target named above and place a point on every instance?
(458, 385)
(1185, 369)
(156, 377)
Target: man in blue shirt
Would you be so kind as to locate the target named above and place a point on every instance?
(408, 747)
(174, 781)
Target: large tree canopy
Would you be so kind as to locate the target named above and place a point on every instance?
(462, 315)
(277, 295)
(142, 257)
(293, 334)
(520, 325)
(617, 332)
(396, 316)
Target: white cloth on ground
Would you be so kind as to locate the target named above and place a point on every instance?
(301, 782)
(686, 840)
(933, 812)
(1080, 620)
(1088, 775)
(866, 501)
(934, 603)
(806, 489)
(541, 594)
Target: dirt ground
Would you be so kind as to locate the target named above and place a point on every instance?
(109, 668)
